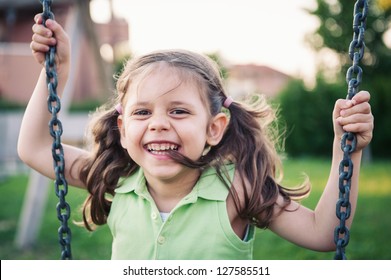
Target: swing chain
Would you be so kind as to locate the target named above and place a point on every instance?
(56, 130)
(349, 140)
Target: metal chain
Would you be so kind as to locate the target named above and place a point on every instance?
(349, 140)
(55, 128)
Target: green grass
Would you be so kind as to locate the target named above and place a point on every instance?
(85, 245)
(369, 235)
(370, 232)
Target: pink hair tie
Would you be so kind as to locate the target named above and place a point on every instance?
(227, 102)
(118, 108)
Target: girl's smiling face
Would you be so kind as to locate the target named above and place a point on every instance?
(167, 109)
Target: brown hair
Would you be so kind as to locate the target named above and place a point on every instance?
(249, 142)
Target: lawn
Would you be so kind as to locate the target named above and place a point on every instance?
(369, 235)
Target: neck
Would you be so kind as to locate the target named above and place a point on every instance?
(168, 193)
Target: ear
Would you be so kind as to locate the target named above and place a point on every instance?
(216, 129)
(121, 129)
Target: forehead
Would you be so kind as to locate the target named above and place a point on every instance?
(160, 78)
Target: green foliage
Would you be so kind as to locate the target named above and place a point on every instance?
(381, 109)
(85, 105)
(6, 105)
(119, 65)
(307, 117)
(216, 57)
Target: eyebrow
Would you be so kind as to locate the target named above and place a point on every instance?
(179, 103)
(142, 103)
(172, 103)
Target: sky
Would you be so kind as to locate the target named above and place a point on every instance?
(263, 32)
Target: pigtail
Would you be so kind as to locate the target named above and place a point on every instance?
(250, 140)
(101, 172)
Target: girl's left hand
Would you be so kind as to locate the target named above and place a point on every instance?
(354, 116)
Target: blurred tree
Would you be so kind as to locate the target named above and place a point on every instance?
(215, 56)
(119, 65)
(305, 117)
(335, 34)
(88, 28)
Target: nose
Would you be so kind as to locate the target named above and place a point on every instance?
(159, 122)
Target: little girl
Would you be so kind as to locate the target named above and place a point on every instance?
(179, 170)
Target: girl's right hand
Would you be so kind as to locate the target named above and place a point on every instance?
(51, 35)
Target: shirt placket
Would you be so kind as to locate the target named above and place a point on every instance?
(162, 240)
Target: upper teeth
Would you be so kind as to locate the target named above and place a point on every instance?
(162, 147)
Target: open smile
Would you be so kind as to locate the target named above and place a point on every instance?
(161, 148)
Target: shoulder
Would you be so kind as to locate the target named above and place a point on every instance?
(239, 193)
(240, 187)
(236, 202)
(262, 203)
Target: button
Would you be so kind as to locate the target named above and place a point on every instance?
(154, 215)
(161, 239)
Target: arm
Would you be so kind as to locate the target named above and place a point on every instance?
(35, 142)
(315, 229)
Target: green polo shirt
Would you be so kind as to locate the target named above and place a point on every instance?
(197, 228)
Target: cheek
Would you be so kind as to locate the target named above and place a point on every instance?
(194, 139)
(133, 147)
(132, 136)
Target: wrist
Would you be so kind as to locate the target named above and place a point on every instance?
(63, 70)
(337, 144)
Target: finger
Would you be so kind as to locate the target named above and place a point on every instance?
(42, 30)
(343, 104)
(362, 128)
(37, 47)
(38, 18)
(360, 108)
(355, 122)
(43, 40)
(362, 96)
(340, 105)
(57, 29)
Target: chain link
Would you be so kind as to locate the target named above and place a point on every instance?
(56, 130)
(349, 140)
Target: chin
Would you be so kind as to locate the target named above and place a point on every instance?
(172, 172)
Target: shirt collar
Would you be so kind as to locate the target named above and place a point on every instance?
(209, 186)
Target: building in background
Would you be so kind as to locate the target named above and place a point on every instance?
(246, 79)
(94, 48)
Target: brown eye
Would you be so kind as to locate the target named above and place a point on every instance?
(141, 112)
(179, 112)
